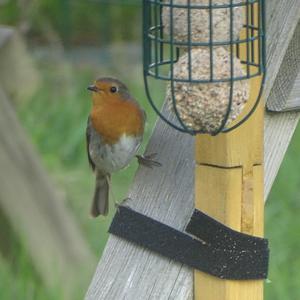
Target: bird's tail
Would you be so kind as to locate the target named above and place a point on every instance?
(100, 200)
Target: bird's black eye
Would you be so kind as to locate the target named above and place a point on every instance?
(113, 89)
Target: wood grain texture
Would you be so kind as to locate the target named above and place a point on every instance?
(219, 192)
(279, 130)
(294, 98)
(224, 188)
(282, 17)
(285, 94)
(129, 272)
(36, 213)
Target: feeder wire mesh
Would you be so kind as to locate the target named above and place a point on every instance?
(177, 34)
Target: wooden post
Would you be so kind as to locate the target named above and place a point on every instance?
(229, 187)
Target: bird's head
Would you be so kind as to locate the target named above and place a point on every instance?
(108, 89)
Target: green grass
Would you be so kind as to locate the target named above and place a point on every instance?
(283, 228)
(18, 278)
(56, 118)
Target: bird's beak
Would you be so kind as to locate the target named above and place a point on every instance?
(93, 88)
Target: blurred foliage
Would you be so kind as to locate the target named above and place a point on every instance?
(9, 12)
(20, 281)
(92, 22)
(283, 228)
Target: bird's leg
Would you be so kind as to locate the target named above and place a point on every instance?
(116, 203)
(148, 160)
(108, 178)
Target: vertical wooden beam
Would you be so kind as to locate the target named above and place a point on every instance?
(231, 192)
(229, 187)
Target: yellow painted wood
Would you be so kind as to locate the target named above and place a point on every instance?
(259, 204)
(233, 148)
(219, 193)
(234, 196)
(229, 187)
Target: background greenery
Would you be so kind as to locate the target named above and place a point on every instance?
(55, 119)
(75, 21)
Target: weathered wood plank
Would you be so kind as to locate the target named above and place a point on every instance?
(294, 99)
(36, 213)
(282, 17)
(129, 272)
(279, 129)
(285, 94)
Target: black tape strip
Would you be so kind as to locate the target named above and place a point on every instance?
(219, 250)
(202, 226)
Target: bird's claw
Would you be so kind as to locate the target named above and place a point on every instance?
(148, 160)
(118, 204)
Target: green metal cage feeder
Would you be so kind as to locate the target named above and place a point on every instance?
(163, 47)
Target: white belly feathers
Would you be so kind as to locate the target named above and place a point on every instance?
(111, 158)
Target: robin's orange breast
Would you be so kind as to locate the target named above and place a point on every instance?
(111, 120)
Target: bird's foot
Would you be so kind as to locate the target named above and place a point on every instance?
(118, 204)
(148, 160)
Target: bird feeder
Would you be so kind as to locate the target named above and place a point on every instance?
(211, 54)
(207, 51)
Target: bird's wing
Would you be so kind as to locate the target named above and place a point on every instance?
(88, 138)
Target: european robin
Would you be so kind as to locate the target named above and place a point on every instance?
(114, 133)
